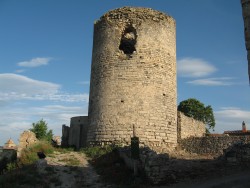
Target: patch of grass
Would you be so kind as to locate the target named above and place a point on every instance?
(64, 150)
(29, 155)
(70, 161)
(97, 151)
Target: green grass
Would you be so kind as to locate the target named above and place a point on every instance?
(64, 150)
(97, 151)
(29, 155)
(71, 161)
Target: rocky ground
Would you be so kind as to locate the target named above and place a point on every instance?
(73, 170)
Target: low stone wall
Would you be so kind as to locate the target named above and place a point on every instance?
(189, 127)
(212, 144)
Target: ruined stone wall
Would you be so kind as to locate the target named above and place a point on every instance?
(212, 144)
(133, 78)
(26, 140)
(77, 132)
(189, 127)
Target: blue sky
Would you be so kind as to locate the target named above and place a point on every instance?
(45, 58)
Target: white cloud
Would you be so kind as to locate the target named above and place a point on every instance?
(193, 67)
(230, 118)
(35, 62)
(14, 120)
(223, 81)
(18, 87)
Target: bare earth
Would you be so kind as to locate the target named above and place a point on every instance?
(74, 175)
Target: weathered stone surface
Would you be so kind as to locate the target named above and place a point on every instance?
(76, 134)
(56, 140)
(238, 153)
(212, 144)
(133, 78)
(189, 127)
(27, 138)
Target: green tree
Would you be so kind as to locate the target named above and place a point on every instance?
(197, 110)
(40, 128)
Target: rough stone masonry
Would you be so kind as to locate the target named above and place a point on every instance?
(133, 78)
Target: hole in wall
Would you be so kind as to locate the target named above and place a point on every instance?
(122, 101)
(128, 40)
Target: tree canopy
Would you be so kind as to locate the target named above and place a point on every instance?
(197, 110)
(40, 128)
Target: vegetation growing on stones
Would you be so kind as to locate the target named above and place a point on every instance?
(197, 110)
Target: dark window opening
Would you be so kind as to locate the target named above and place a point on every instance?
(128, 40)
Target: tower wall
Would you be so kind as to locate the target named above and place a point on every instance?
(133, 78)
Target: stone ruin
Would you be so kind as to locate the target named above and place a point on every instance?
(75, 135)
(26, 139)
(133, 84)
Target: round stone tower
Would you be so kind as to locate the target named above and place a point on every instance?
(133, 78)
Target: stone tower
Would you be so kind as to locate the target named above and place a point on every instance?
(133, 78)
(246, 16)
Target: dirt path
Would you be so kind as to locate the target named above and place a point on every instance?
(73, 170)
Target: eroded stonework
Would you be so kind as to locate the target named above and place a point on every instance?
(27, 138)
(133, 78)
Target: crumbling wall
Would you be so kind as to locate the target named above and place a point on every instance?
(133, 78)
(26, 139)
(212, 144)
(189, 127)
